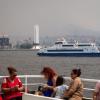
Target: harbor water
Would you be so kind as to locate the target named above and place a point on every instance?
(28, 63)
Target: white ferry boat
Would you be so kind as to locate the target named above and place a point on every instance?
(62, 48)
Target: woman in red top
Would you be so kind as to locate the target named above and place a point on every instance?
(12, 86)
(0, 98)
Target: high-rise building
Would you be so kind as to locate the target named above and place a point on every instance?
(4, 41)
(36, 44)
(36, 34)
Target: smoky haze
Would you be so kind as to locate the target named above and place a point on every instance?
(54, 17)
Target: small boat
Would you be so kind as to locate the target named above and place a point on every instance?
(62, 48)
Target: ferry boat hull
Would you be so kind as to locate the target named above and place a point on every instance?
(70, 54)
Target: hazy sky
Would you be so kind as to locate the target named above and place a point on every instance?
(17, 17)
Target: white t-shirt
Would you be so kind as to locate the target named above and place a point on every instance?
(60, 91)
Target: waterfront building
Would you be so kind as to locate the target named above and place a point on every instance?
(36, 44)
(4, 41)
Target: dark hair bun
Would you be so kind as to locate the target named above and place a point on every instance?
(11, 69)
(77, 71)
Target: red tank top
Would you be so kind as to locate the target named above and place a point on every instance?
(10, 84)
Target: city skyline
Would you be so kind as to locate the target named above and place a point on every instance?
(54, 17)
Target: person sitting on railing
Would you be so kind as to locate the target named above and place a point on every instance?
(50, 75)
(75, 90)
(60, 87)
(12, 86)
(96, 94)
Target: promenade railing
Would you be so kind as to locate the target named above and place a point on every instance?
(87, 82)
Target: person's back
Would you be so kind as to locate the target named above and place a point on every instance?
(60, 87)
(60, 91)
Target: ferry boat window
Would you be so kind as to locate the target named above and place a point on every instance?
(84, 45)
(67, 45)
(58, 42)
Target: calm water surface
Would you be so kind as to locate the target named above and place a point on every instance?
(27, 62)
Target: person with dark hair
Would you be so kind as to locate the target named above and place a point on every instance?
(50, 75)
(12, 86)
(60, 87)
(75, 90)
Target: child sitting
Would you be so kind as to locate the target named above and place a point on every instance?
(60, 87)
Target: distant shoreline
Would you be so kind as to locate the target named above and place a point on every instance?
(17, 50)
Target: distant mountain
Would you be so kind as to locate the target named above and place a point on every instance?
(72, 33)
(77, 30)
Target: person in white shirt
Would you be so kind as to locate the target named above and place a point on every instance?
(60, 87)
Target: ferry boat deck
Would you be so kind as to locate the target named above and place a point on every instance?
(27, 96)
